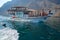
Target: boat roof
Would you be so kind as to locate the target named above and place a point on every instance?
(19, 7)
(18, 10)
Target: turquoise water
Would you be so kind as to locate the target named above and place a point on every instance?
(36, 31)
(33, 31)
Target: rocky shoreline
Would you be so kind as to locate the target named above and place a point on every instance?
(54, 21)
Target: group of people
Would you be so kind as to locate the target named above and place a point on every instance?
(49, 12)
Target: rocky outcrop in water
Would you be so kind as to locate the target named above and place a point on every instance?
(54, 21)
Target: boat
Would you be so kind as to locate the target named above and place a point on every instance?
(24, 14)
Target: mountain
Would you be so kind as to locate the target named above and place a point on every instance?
(14, 3)
(55, 1)
(35, 4)
(42, 4)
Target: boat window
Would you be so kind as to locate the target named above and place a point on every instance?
(19, 14)
(26, 12)
(12, 13)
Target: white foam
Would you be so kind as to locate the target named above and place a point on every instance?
(8, 34)
(4, 18)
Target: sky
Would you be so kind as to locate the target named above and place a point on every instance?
(2, 2)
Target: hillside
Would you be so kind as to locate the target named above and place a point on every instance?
(34, 4)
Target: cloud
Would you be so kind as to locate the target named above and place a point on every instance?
(2, 2)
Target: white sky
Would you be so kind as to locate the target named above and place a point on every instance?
(2, 2)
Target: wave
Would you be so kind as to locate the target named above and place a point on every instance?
(8, 34)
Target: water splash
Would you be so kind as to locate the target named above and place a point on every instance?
(8, 34)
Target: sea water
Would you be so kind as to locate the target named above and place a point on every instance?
(7, 33)
(27, 31)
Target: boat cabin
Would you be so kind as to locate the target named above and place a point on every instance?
(23, 12)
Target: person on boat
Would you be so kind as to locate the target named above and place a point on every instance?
(44, 13)
(50, 12)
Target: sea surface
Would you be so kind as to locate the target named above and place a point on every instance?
(29, 30)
